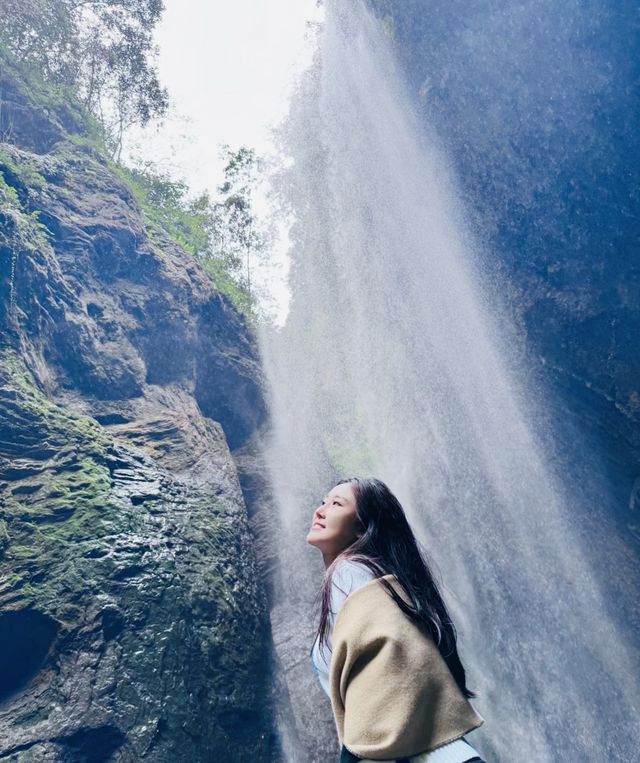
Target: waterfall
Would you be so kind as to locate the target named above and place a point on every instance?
(398, 360)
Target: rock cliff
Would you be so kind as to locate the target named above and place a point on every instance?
(133, 615)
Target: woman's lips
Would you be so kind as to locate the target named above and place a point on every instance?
(317, 524)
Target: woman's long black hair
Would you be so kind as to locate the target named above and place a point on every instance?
(387, 545)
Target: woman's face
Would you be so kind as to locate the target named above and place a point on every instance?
(334, 526)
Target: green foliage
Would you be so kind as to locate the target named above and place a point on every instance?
(20, 230)
(223, 233)
(58, 101)
(24, 169)
(167, 207)
(103, 49)
(234, 227)
(41, 44)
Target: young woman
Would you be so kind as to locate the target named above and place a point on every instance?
(385, 648)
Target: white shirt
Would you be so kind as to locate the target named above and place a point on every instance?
(347, 577)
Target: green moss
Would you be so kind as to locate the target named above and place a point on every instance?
(20, 230)
(80, 497)
(163, 213)
(71, 500)
(12, 580)
(29, 593)
(24, 169)
(46, 419)
(21, 552)
(4, 536)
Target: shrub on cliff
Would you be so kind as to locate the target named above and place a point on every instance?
(222, 232)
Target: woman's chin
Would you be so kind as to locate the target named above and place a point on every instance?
(312, 538)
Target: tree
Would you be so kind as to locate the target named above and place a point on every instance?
(103, 48)
(236, 234)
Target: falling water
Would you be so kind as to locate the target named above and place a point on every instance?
(398, 361)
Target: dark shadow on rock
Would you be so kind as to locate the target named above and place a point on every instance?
(26, 637)
(93, 745)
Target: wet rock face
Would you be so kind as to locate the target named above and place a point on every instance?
(108, 312)
(133, 618)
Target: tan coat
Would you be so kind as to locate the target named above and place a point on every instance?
(392, 693)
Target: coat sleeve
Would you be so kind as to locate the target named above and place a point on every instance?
(370, 677)
(392, 694)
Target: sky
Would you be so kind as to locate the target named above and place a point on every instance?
(229, 69)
